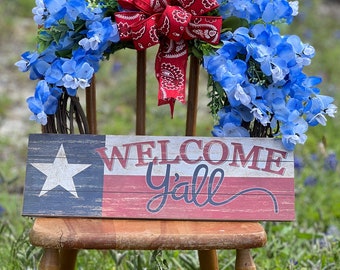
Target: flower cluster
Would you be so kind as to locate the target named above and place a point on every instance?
(265, 10)
(73, 38)
(257, 84)
(257, 75)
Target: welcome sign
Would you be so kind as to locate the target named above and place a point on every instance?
(149, 177)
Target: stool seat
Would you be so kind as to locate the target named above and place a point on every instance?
(80, 233)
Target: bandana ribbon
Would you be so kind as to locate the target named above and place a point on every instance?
(171, 24)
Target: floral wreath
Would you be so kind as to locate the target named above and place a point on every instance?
(256, 81)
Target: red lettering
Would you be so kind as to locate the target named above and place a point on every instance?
(184, 149)
(141, 152)
(238, 151)
(115, 154)
(277, 161)
(207, 150)
(164, 154)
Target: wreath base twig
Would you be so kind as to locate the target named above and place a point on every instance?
(70, 117)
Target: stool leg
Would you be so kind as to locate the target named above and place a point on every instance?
(208, 259)
(68, 258)
(244, 260)
(50, 260)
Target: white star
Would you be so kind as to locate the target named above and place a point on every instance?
(60, 173)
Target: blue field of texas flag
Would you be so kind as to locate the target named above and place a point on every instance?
(77, 183)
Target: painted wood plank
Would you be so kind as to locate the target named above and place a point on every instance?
(152, 177)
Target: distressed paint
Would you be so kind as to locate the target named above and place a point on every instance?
(149, 177)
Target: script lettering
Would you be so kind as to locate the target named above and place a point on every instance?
(201, 190)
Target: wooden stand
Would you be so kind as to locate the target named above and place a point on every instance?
(62, 237)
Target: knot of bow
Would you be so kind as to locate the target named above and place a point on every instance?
(170, 23)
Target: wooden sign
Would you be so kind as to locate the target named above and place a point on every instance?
(146, 177)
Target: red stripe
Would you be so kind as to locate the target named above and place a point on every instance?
(250, 198)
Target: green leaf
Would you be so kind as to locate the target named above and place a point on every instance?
(232, 23)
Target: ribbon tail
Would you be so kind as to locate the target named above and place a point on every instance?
(170, 66)
(171, 103)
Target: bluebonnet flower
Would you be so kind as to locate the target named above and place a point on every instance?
(2, 210)
(333, 231)
(336, 34)
(298, 164)
(331, 162)
(310, 181)
(293, 262)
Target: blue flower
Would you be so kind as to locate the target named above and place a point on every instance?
(331, 162)
(298, 164)
(76, 75)
(245, 9)
(253, 10)
(91, 43)
(277, 10)
(310, 181)
(227, 72)
(293, 133)
(65, 43)
(230, 121)
(56, 11)
(54, 73)
(317, 108)
(42, 103)
(256, 71)
(39, 12)
(27, 60)
(269, 81)
(73, 9)
(84, 74)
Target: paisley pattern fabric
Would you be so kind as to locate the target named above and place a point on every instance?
(170, 24)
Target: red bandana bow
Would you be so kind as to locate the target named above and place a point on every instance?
(168, 23)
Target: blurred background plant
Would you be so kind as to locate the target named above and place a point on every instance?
(311, 242)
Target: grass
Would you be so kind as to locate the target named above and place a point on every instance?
(310, 242)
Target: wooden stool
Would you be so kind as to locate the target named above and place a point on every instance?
(62, 237)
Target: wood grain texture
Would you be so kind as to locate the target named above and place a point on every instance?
(151, 177)
(78, 233)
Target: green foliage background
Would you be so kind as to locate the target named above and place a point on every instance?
(310, 242)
